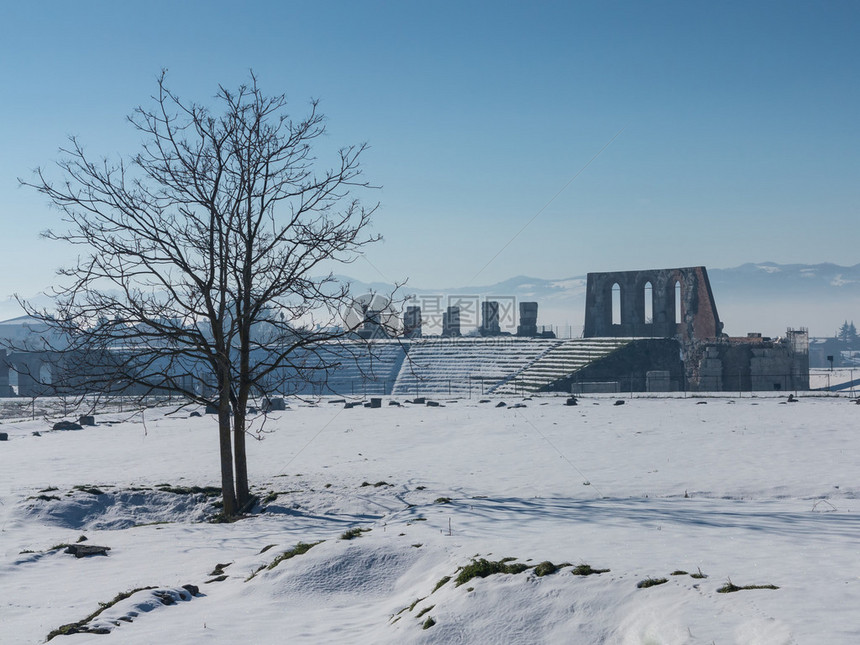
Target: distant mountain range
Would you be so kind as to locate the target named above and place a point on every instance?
(764, 297)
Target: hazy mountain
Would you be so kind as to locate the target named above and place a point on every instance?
(764, 297)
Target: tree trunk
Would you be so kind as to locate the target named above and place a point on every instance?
(243, 494)
(224, 417)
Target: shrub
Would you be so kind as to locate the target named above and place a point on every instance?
(651, 582)
(351, 534)
(729, 587)
(482, 568)
(545, 568)
(587, 570)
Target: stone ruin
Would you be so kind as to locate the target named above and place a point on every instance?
(679, 304)
(656, 303)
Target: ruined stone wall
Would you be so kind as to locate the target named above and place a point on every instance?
(698, 312)
(749, 364)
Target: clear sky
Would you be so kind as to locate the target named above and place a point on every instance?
(739, 138)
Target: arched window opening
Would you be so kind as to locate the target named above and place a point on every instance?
(649, 303)
(677, 303)
(616, 304)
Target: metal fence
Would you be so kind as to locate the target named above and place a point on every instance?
(482, 385)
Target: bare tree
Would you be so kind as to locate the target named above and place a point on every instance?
(199, 257)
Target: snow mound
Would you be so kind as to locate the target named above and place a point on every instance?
(357, 569)
(125, 608)
(119, 509)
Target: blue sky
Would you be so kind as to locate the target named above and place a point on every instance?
(739, 137)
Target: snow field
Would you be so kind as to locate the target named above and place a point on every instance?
(752, 490)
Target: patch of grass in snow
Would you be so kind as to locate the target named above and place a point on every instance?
(351, 534)
(442, 500)
(80, 627)
(376, 485)
(44, 498)
(698, 575)
(547, 568)
(651, 582)
(442, 582)
(481, 568)
(299, 549)
(271, 497)
(92, 490)
(424, 611)
(208, 491)
(730, 587)
(678, 572)
(587, 570)
(62, 545)
(428, 623)
(221, 518)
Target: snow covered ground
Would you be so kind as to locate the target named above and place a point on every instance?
(756, 491)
